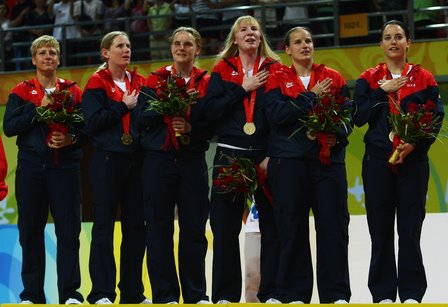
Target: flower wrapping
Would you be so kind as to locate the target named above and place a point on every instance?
(330, 114)
(412, 123)
(172, 100)
(59, 114)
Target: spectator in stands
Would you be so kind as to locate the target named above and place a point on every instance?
(87, 10)
(180, 8)
(205, 20)
(5, 24)
(138, 27)
(3, 171)
(48, 178)
(39, 16)
(109, 99)
(62, 12)
(94, 9)
(395, 194)
(302, 178)
(158, 22)
(234, 105)
(174, 175)
(18, 18)
(115, 9)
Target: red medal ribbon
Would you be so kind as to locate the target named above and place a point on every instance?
(126, 118)
(324, 152)
(249, 106)
(261, 176)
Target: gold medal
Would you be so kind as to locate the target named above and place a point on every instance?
(126, 139)
(249, 128)
(185, 139)
(311, 135)
(391, 136)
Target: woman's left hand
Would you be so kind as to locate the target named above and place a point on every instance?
(59, 140)
(331, 139)
(181, 125)
(404, 149)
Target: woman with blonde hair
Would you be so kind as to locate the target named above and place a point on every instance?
(110, 97)
(174, 175)
(44, 183)
(233, 105)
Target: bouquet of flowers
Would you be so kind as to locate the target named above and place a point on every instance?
(330, 114)
(239, 177)
(59, 114)
(418, 121)
(172, 99)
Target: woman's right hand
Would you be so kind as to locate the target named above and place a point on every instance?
(322, 86)
(393, 85)
(253, 83)
(130, 99)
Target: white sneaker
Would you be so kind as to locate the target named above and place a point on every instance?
(386, 301)
(410, 301)
(340, 302)
(172, 303)
(223, 302)
(273, 301)
(146, 301)
(203, 302)
(72, 301)
(26, 302)
(296, 302)
(103, 301)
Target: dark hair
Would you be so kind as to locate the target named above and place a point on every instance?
(399, 23)
(288, 34)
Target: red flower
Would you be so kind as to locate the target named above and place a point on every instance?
(228, 179)
(417, 122)
(326, 101)
(426, 118)
(412, 107)
(235, 166)
(180, 82)
(217, 182)
(429, 105)
(70, 109)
